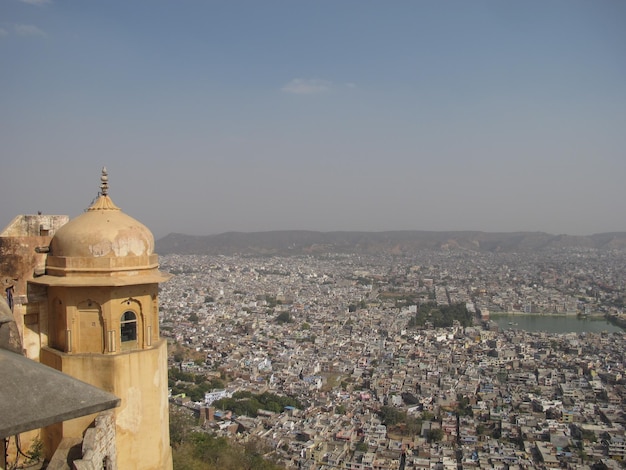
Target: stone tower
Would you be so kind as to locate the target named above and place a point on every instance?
(101, 292)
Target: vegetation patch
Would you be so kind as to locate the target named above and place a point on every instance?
(249, 404)
(440, 316)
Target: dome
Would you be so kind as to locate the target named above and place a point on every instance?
(102, 231)
(102, 247)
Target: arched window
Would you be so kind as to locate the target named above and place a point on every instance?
(128, 326)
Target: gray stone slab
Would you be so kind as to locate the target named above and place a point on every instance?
(33, 395)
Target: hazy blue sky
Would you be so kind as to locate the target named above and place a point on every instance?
(324, 115)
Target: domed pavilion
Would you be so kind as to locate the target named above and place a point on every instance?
(102, 281)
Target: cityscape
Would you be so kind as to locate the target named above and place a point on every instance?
(378, 391)
(369, 236)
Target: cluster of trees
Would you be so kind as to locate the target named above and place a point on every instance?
(463, 407)
(401, 299)
(206, 452)
(283, 317)
(391, 416)
(353, 307)
(272, 301)
(192, 385)
(397, 421)
(248, 404)
(182, 353)
(441, 316)
(192, 450)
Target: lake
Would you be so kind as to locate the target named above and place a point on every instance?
(553, 323)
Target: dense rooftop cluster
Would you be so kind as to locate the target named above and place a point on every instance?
(333, 332)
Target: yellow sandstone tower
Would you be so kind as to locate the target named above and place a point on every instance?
(101, 297)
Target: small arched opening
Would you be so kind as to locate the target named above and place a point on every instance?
(128, 329)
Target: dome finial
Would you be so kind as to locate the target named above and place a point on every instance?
(104, 182)
(103, 201)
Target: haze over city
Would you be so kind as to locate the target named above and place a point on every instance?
(352, 115)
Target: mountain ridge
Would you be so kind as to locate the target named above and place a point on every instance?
(398, 242)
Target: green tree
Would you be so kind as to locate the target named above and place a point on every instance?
(434, 435)
(413, 426)
(391, 416)
(463, 407)
(180, 425)
(283, 317)
(589, 435)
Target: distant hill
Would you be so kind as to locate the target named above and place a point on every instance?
(297, 242)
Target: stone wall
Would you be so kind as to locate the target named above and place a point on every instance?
(34, 225)
(23, 252)
(99, 450)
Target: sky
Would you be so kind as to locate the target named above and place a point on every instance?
(216, 116)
